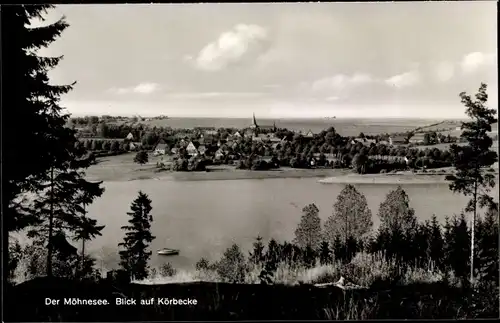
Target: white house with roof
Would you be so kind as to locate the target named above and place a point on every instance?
(309, 134)
(130, 136)
(160, 149)
(191, 149)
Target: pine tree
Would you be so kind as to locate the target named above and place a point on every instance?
(436, 243)
(325, 254)
(308, 232)
(57, 177)
(29, 97)
(135, 256)
(459, 246)
(470, 161)
(488, 264)
(339, 249)
(257, 256)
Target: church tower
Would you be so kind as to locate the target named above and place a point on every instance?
(254, 123)
(254, 126)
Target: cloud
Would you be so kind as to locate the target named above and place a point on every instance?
(141, 88)
(340, 82)
(473, 61)
(210, 95)
(404, 80)
(332, 98)
(273, 86)
(444, 71)
(241, 44)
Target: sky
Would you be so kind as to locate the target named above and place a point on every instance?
(281, 60)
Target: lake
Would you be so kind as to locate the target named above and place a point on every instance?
(203, 218)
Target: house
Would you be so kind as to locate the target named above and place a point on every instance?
(210, 132)
(174, 150)
(183, 143)
(182, 135)
(202, 149)
(274, 139)
(249, 133)
(417, 138)
(160, 149)
(134, 145)
(237, 134)
(219, 154)
(309, 134)
(257, 139)
(276, 146)
(397, 140)
(364, 141)
(130, 136)
(191, 149)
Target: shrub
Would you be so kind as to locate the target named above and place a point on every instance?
(232, 267)
(167, 270)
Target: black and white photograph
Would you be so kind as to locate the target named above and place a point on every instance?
(250, 161)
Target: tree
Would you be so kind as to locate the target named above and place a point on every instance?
(57, 177)
(395, 212)
(325, 254)
(351, 216)
(115, 146)
(436, 242)
(29, 97)
(232, 267)
(488, 247)
(471, 160)
(134, 258)
(141, 157)
(359, 162)
(308, 232)
(257, 256)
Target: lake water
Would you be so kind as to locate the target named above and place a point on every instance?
(202, 218)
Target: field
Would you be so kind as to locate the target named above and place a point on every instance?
(446, 146)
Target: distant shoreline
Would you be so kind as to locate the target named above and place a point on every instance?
(328, 175)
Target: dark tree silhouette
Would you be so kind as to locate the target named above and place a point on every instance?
(141, 157)
(471, 160)
(135, 256)
(257, 255)
(57, 177)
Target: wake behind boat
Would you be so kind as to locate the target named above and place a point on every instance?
(168, 252)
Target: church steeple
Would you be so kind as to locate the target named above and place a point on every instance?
(254, 122)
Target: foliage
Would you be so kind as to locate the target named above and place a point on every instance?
(351, 216)
(325, 253)
(232, 267)
(308, 232)
(257, 255)
(134, 257)
(471, 160)
(141, 157)
(166, 270)
(395, 212)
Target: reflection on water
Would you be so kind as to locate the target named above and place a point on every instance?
(203, 218)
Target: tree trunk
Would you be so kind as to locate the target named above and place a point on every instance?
(473, 229)
(82, 264)
(51, 218)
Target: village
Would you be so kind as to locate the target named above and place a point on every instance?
(266, 147)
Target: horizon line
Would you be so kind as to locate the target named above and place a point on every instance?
(267, 117)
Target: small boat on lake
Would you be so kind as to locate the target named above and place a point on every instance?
(168, 252)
